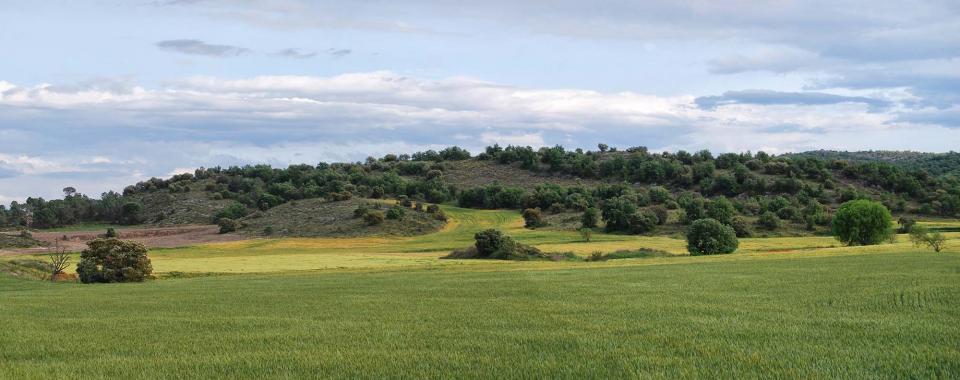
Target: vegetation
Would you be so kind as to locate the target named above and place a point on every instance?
(112, 260)
(862, 222)
(920, 235)
(710, 237)
(751, 317)
(58, 259)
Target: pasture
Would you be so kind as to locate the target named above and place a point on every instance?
(388, 307)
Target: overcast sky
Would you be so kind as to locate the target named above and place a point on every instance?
(101, 94)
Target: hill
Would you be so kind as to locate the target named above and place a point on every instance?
(758, 193)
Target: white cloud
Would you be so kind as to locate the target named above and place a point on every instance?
(525, 139)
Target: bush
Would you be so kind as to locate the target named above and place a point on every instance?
(906, 223)
(112, 260)
(234, 211)
(396, 213)
(361, 210)
(373, 218)
(589, 218)
(533, 218)
(228, 225)
(740, 226)
(768, 220)
(494, 244)
(919, 235)
(862, 222)
(616, 213)
(662, 214)
(376, 192)
(268, 230)
(433, 209)
(586, 234)
(710, 237)
(111, 233)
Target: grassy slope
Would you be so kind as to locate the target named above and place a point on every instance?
(316, 217)
(866, 316)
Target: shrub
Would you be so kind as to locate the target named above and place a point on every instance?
(112, 260)
(769, 220)
(396, 213)
(376, 192)
(557, 208)
(494, 244)
(533, 218)
(862, 222)
(906, 223)
(373, 218)
(433, 209)
(404, 201)
(111, 233)
(740, 227)
(616, 213)
(418, 206)
(589, 218)
(235, 211)
(662, 214)
(361, 210)
(658, 194)
(440, 215)
(920, 236)
(268, 230)
(228, 225)
(710, 237)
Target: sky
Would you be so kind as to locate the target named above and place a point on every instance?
(99, 94)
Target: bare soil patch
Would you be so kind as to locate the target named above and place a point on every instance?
(160, 237)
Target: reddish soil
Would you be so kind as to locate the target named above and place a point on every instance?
(179, 236)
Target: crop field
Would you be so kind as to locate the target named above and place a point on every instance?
(388, 307)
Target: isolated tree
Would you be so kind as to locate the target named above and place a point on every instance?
(57, 260)
(936, 241)
(919, 235)
(112, 260)
(862, 222)
(603, 147)
(710, 237)
(69, 191)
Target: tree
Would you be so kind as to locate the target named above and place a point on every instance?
(58, 259)
(862, 222)
(228, 225)
(69, 191)
(130, 213)
(906, 223)
(112, 260)
(710, 237)
(740, 226)
(111, 233)
(642, 222)
(586, 234)
(533, 218)
(616, 213)
(589, 218)
(721, 210)
(919, 235)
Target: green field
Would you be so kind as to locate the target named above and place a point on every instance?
(388, 307)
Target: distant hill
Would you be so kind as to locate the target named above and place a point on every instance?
(934, 163)
(632, 188)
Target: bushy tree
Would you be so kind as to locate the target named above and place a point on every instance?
(740, 226)
(721, 210)
(112, 260)
(642, 222)
(533, 218)
(228, 225)
(906, 223)
(769, 221)
(589, 218)
(616, 213)
(662, 214)
(862, 222)
(710, 237)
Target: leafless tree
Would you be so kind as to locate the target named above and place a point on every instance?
(58, 260)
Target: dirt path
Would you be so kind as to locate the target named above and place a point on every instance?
(160, 237)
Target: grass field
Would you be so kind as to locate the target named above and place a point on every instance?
(388, 307)
(869, 316)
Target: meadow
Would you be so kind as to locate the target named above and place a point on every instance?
(388, 307)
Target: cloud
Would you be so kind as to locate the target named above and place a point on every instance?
(948, 118)
(197, 47)
(778, 59)
(338, 53)
(295, 53)
(123, 135)
(769, 97)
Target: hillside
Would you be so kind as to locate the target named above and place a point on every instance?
(759, 194)
(936, 164)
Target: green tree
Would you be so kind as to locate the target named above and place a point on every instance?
(616, 213)
(769, 221)
(112, 260)
(589, 218)
(862, 222)
(721, 210)
(533, 218)
(710, 237)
